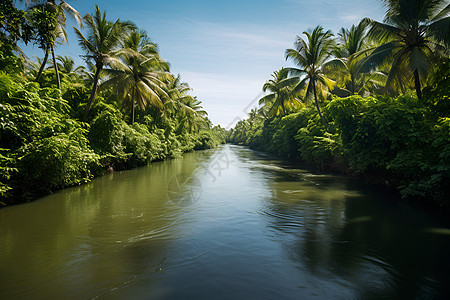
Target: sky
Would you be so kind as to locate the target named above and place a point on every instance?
(225, 50)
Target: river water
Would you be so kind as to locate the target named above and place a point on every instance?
(228, 223)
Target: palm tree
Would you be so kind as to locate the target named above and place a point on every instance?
(184, 107)
(32, 67)
(46, 10)
(139, 74)
(66, 65)
(350, 42)
(413, 32)
(102, 40)
(281, 96)
(311, 56)
(352, 46)
(191, 114)
(255, 117)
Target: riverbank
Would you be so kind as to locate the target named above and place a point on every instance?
(399, 143)
(45, 147)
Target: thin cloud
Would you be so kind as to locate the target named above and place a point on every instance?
(225, 97)
(215, 40)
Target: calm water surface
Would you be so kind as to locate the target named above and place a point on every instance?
(228, 223)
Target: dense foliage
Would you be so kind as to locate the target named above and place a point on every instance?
(398, 142)
(45, 145)
(381, 106)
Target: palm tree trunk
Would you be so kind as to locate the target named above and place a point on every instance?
(41, 69)
(353, 83)
(417, 84)
(132, 107)
(55, 65)
(317, 103)
(93, 93)
(132, 111)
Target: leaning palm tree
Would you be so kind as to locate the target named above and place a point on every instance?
(413, 33)
(102, 40)
(311, 56)
(280, 97)
(138, 75)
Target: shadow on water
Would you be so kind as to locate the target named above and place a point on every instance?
(371, 245)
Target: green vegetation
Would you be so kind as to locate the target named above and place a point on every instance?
(381, 106)
(62, 124)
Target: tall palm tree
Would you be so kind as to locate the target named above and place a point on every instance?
(281, 96)
(139, 74)
(413, 34)
(311, 56)
(103, 39)
(51, 32)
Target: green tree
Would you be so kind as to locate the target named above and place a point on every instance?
(414, 33)
(13, 27)
(139, 74)
(49, 20)
(66, 65)
(352, 46)
(281, 96)
(186, 109)
(100, 45)
(311, 56)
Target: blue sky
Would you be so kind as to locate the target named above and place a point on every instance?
(226, 50)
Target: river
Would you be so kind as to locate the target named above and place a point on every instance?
(227, 223)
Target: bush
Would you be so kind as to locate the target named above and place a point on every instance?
(53, 163)
(123, 146)
(206, 140)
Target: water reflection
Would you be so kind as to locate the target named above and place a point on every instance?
(374, 248)
(105, 233)
(260, 229)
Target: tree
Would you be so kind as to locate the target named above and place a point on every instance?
(13, 27)
(102, 40)
(281, 96)
(352, 46)
(66, 65)
(311, 56)
(49, 20)
(139, 73)
(414, 32)
(187, 110)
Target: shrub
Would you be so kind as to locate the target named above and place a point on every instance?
(53, 163)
